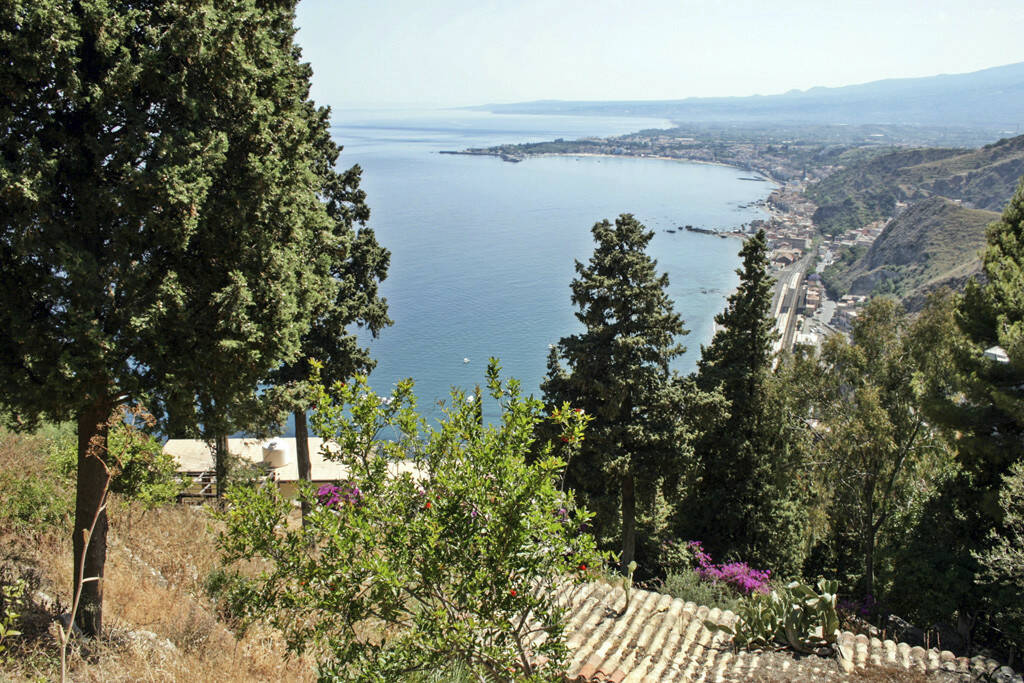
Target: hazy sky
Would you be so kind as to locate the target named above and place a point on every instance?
(462, 52)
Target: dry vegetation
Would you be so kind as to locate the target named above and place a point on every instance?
(159, 624)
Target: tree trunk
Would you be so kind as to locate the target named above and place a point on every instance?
(869, 537)
(628, 520)
(221, 464)
(90, 494)
(302, 455)
(869, 561)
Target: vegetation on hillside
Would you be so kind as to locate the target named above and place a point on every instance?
(175, 234)
(617, 371)
(159, 624)
(173, 221)
(869, 190)
(933, 243)
(442, 549)
(742, 497)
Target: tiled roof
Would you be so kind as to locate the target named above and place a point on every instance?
(660, 638)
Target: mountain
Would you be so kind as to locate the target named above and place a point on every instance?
(870, 188)
(932, 243)
(990, 99)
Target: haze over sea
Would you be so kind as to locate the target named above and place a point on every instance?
(483, 251)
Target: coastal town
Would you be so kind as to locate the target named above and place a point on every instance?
(804, 312)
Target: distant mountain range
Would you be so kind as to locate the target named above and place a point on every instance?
(992, 99)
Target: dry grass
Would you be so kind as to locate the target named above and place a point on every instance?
(159, 625)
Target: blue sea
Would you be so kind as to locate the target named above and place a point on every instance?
(483, 251)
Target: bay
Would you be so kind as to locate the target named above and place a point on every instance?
(483, 250)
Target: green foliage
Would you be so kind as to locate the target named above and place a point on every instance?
(443, 548)
(36, 490)
(162, 179)
(794, 615)
(682, 580)
(834, 275)
(170, 223)
(980, 403)
(34, 502)
(1002, 564)
(12, 601)
(142, 471)
(744, 500)
(617, 371)
(688, 586)
(231, 591)
(146, 474)
(874, 449)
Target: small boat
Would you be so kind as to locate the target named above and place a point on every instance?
(465, 360)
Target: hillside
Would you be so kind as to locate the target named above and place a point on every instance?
(869, 189)
(992, 99)
(933, 242)
(162, 623)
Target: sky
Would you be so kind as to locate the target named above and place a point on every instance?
(468, 52)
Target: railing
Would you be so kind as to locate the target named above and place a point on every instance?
(200, 487)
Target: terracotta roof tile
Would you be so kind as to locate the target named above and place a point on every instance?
(659, 638)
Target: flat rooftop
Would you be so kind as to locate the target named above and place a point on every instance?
(196, 455)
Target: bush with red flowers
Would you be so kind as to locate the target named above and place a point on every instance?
(442, 548)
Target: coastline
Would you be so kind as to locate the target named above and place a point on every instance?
(533, 155)
(771, 214)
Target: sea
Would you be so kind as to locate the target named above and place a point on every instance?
(483, 250)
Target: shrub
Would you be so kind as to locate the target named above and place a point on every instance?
(687, 585)
(12, 601)
(36, 496)
(739, 575)
(1002, 573)
(793, 615)
(144, 474)
(443, 549)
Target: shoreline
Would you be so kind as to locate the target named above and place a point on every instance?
(771, 214)
(767, 177)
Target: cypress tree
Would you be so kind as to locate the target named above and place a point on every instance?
(357, 263)
(617, 370)
(741, 502)
(161, 170)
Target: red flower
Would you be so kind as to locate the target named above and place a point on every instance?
(427, 505)
(565, 439)
(513, 592)
(583, 567)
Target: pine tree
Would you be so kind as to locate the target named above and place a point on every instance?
(978, 397)
(161, 171)
(742, 502)
(617, 371)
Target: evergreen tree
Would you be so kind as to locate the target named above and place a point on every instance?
(161, 171)
(977, 395)
(617, 371)
(358, 264)
(876, 451)
(743, 500)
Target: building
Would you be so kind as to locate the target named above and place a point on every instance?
(275, 457)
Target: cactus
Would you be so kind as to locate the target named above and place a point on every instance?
(794, 615)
